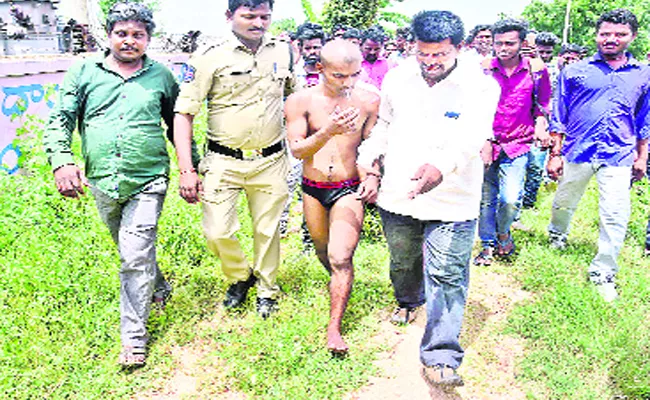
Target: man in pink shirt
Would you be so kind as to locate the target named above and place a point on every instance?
(520, 120)
(374, 66)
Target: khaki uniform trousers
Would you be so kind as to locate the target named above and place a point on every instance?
(264, 181)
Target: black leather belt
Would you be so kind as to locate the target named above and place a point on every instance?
(245, 154)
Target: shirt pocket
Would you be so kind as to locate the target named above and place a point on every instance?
(234, 80)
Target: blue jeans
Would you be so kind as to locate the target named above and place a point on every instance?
(614, 211)
(534, 175)
(439, 255)
(503, 185)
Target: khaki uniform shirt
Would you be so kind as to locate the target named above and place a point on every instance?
(245, 91)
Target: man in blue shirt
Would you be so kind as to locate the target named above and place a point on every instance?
(603, 115)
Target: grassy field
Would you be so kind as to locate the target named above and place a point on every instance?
(59, 308)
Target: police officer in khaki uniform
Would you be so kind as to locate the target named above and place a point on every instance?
(244, 78)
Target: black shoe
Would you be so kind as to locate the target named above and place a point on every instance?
(266, 306)
(236, 294)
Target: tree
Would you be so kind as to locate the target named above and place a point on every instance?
(549, 16)
(282, 25)
(361, 13)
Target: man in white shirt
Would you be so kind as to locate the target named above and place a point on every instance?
(435, 116)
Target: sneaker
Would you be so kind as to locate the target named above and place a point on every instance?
(441, 376)
(607, 291)
(556, 241)
(404, 316)
(266, 306)
(606, 286)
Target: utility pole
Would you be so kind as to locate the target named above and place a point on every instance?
(567, 22)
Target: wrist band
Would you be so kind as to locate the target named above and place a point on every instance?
(188, 171)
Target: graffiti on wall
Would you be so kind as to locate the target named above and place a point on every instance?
(16, 100)
(33, 94)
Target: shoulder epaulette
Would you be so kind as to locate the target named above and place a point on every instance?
(205, 48)
(279, 39)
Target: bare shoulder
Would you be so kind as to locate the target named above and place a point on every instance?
(369, 99)
(297, 99)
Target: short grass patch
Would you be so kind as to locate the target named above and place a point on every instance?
(580, 347)
(59, 306)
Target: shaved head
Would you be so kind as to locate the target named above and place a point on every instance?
(339, 51)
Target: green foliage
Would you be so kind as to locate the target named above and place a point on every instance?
(308, 9)
(393, 18)
(105, 5)
(549, 16)
(282, 25)
(357, 13)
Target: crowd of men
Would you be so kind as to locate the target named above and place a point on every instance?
(445, 133)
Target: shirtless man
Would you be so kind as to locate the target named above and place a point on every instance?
(325, 125)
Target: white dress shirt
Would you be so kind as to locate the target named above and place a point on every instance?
(446, 126)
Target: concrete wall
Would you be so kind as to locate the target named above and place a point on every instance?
(36, 10)
(29, 86)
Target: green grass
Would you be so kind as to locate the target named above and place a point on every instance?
(59, 306)
(59, 312)
(578, 346)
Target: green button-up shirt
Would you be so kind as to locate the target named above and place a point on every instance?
(119, 120)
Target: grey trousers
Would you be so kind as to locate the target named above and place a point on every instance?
(133, 224)
(613, 209)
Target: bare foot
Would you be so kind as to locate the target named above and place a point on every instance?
(335, 343)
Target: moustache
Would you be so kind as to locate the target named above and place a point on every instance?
(257, 30)
(311, 60)
(128, 48)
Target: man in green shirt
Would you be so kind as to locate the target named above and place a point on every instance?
(118, 101)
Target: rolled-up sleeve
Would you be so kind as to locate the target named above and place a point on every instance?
(559, 115)
(643, 115)
(197, 82)
(544, 93)
(62, 121)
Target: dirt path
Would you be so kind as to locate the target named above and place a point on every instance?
(488, 369)
(489, 366)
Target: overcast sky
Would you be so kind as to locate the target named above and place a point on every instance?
(178, 16)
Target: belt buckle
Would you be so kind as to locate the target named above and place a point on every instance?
(251, 155)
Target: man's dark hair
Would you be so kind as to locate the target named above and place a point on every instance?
(309, 31)
(130, 11)
(375, 33)
(339, 27)
(475, 31)
(352, 33)
(510, 25)
(436, 26)
(233, 5)
(403, 33)
(546, 39)
(570, 48)
(619, 16)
